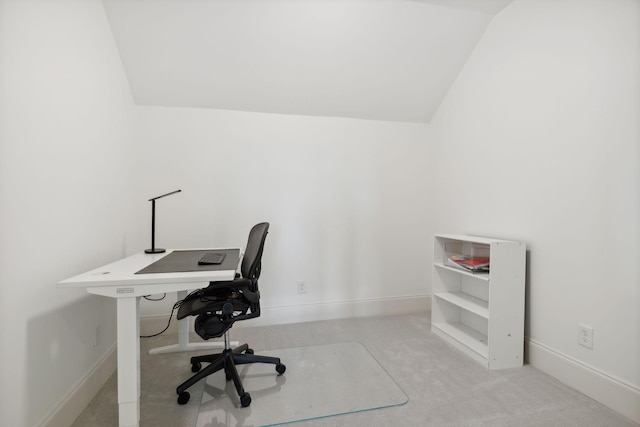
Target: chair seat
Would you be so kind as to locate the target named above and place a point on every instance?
(201, 303)
(206, 300)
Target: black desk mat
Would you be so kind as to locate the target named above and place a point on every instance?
(180, 261)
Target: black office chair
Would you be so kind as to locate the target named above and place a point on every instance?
(220, 305)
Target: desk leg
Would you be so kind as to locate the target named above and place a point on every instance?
(128, 362)
(183, 338)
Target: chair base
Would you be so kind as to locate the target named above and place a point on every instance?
(226, 360)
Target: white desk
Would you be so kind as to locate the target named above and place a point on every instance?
(118, 280)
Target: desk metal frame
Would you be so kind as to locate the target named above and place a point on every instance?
(118, 280)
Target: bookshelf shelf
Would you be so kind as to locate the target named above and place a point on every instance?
(465, 335)
(466, 302)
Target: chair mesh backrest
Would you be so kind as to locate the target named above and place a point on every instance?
(251, 262)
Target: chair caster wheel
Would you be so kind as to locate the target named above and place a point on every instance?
(183, 397)
(248, 351)
(195, 367)
(280, 368)
(245, 400)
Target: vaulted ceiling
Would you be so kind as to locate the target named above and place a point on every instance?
(370, 59)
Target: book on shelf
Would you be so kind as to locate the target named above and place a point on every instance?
(469, 263)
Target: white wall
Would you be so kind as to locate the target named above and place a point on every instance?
(345, 198)
(539, 140)
(543, 119)
(64, 135)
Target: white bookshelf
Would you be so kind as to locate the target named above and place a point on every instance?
(482, 313)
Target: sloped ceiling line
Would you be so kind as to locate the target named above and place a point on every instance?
(380, 60)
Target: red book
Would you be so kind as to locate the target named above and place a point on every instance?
(471, 263)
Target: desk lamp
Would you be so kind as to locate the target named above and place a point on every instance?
(153, 249)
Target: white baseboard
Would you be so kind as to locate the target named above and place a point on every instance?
(616, 394)
(67, 409)
(275, 315)
(342, 309)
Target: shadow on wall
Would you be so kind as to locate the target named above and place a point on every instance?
(63, 345)
(527, 299)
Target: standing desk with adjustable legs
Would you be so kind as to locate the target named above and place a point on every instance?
(119, 280)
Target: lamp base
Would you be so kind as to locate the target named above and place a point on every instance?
(154, 251)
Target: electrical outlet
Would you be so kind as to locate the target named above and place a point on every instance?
(585, 336)
(302, 287)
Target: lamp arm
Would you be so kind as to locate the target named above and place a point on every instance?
(153, 249)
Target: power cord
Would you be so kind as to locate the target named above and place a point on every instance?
(174, 308)
(155, 299)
